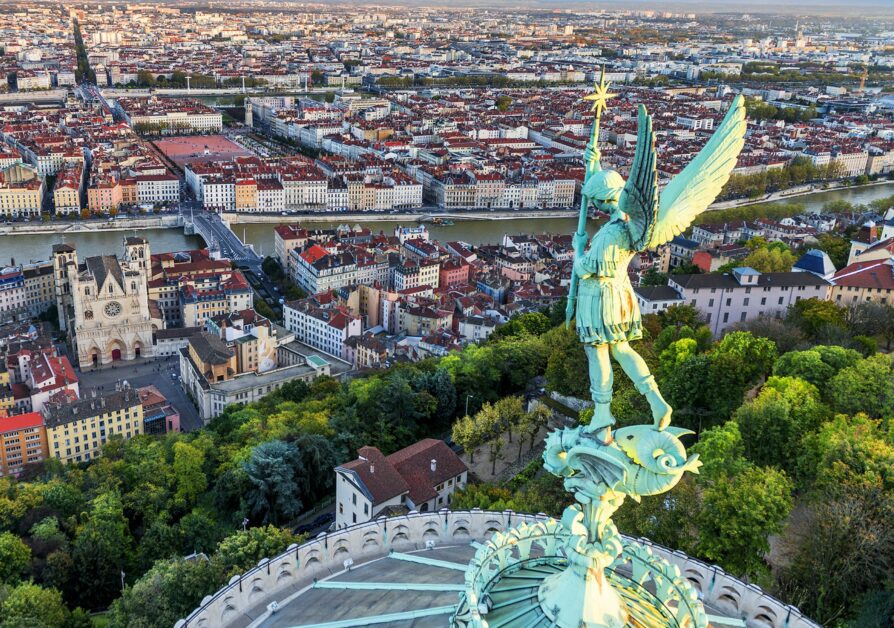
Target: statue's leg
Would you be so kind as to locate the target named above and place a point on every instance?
(601, 381)
(638, 371)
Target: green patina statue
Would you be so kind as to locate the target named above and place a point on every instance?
(589, 575)
(608, 316)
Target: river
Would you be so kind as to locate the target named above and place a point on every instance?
(34, 247)
(27, 248)
(492, 231)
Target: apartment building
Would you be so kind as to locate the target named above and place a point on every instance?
(209, 372)
(323, 326)
(21, 191)
(864, 281)
(746, 294)
(78, 429)
(169, 115)
(316, 270)
(23, 441)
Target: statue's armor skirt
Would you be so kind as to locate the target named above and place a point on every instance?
(607, 311)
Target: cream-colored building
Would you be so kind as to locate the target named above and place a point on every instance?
(21, 191)
(77, 430)
(105, 303)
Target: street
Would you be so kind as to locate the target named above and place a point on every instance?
(142, 372)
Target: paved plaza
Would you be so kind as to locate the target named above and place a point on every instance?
(141, 372)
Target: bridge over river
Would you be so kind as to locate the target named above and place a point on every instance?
(218, 235)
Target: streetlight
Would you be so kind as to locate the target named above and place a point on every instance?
(467, 403)
(244, 523)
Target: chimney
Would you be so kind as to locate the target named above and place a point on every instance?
(372, 468)
(434, 465)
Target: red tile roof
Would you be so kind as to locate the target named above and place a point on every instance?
(20, 422)
(381, 480)
(872, 274)
(413, 463)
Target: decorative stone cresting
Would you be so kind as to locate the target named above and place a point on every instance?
(244, 598)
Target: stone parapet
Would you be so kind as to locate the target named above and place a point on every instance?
(248, 597)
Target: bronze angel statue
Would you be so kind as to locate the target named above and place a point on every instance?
(607, 314)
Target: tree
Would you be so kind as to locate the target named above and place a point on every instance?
(274, 496)
(241, 551)
(784, 335)
(528, 324)
(680, 315)
(812, 316)
(847, 532)
(191, 480)
(466, 434)
(721, 452)
(675, 355)
(567, 369)
(669, 519)
(15, 558)
(31, 605)
(101, 550)
(849, 452)
(652, 277)
(317, 459)
(166, 593)
(770, 259)
(534, 421)
(503, 102)
(739, 514)
(510, 413)
(836, 247)
(872, 318)
(755, 355)
(773, 424)
(867, 386)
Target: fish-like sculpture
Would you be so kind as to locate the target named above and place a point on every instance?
(639, 461)
(659, 458)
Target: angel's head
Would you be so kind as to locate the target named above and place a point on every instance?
(603, 188)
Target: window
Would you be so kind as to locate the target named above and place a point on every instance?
(725, 316)
(742, 317)
(354, 498)
(341, 508)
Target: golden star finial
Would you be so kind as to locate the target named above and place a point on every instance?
(600, 95)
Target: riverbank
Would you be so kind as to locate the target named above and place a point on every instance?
(787, 195)
(408, 216)
(485, 221)
(65, 227)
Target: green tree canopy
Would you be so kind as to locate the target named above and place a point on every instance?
(272, 470)
(166, 593)
(867, 386)
(739, 515)
(241, 551)
(29, 605)
(15, 558)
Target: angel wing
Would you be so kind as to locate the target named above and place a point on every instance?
(696, 187)
(639, 198)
